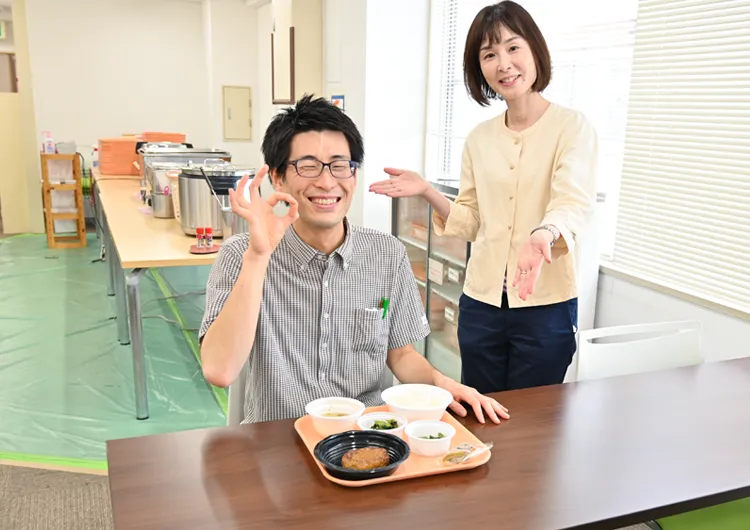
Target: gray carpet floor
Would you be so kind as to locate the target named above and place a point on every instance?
(36, 499)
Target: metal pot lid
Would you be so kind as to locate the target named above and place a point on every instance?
(216, 170)
(165, 151)
(187, 152)
(160, 147)
(162, 165)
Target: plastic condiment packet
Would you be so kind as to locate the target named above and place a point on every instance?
(462, 453)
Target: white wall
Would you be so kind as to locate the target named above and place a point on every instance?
(264, 110)
(108, 67)
(378, 61)
(344, 55)
(233, 49)
(396, 90)
(620, 302)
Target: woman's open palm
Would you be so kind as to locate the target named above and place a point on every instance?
(535, 252)
(265, 227)
(402, 183)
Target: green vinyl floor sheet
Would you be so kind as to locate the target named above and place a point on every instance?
(66, 383)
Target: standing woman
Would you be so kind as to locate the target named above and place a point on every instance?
(528, 186)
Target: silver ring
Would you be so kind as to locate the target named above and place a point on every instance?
(524, 272)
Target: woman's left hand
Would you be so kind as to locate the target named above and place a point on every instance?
(480, 403)
(534, 253)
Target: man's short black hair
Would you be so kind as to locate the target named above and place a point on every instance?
(307, 115)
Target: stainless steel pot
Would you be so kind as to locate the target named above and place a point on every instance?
(157, 159)
(204, 198)
(159, 190)
(232, 223)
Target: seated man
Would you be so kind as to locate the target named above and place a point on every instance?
(318, 305)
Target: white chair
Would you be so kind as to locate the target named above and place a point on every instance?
(623, 350)
(236, 397)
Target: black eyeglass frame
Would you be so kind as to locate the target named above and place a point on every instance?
(353, 166)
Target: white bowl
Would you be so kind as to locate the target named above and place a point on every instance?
(417, 402)
(416, 431)
(321, 411)
(366, 421)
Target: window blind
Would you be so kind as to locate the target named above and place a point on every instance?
(684, 208)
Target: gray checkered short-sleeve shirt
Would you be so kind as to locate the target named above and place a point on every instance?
(320, 332)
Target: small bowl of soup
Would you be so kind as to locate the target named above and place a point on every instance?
(333, 415)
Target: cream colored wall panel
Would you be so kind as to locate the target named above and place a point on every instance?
(13, 205)
(307, 19)
(30, 208)
(238, 113)
(283, 59)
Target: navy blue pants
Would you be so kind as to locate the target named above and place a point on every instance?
(508, 349)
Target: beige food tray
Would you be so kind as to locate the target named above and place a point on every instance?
(415, 466)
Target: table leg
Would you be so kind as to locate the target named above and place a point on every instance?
(121, 302)
(109, 257)
(97, 212)
(139, 358)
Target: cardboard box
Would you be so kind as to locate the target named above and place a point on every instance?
(117, 156)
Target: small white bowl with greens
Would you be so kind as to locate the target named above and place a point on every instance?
(430, 438)
(382, 422)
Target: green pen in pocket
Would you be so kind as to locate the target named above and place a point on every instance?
(384, 306)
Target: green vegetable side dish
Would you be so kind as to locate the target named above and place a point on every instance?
(384, 425)
(431, 437)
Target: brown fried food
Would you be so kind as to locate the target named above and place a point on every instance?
(365, 458)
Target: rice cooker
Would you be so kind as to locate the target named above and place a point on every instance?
(204, 198)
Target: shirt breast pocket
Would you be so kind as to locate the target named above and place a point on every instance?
(370, 331)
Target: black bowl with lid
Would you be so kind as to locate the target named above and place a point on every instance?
(330, 450)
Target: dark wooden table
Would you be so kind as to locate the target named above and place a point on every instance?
(597, 454)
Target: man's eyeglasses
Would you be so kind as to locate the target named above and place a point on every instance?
(311, 168)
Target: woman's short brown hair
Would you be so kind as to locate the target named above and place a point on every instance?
(486, 26)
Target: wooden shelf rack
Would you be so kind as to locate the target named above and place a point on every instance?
(76, 186)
